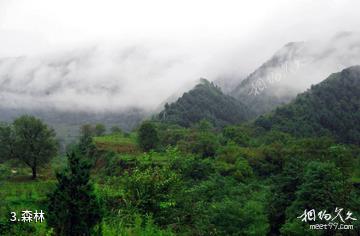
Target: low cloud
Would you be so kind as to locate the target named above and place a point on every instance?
(98, 78)
(113, 78)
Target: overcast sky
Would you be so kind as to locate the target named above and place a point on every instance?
(27, 26)
(202, 38)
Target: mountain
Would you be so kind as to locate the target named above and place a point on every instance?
(331, 107)
(294, 68)
(262, 90)
(204, 101)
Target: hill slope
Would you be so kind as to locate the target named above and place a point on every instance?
(294, 68)
(263, 89)
(205, 101)
(330, 107)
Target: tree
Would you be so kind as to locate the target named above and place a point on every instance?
(152, 191)
(236, 134)
(206, 144)
(116, 130)
(100, 129)
(204, 125)
(321, 189)
(87, 130)
(86, 145)
(6, 141)
(29, 140)
(284, 187)
(234, 218)
(148, 136)
(73, 208)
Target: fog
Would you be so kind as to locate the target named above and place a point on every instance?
(110, 55)
(298, 65)
(102, 77)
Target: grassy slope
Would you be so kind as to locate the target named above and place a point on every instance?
(117, 143)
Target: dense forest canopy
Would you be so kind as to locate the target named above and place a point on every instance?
(205, 101)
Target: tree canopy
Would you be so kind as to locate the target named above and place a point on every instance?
(29, 140)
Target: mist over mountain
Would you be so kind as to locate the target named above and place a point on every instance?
(331, 107)
(95, 78)
(109, 84)
(294, 68)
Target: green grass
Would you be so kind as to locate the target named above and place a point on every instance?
(117, 143)
(117, 139)
(355, 180)
(147, 158)
(21, 193)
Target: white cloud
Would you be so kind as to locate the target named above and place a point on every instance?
(147, 50)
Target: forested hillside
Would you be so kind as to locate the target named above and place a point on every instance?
(255, 178)
(329, 108)
(205, 101)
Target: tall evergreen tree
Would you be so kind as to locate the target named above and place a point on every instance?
(73, 208)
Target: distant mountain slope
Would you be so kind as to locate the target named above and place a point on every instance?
(294, 68)
(331, 107)
(205, 101)
(262, 89)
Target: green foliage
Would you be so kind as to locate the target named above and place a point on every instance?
(140, 227)
(267, 160)
(191, 168)
(341, 155)
(87, 130)
(150, 191)
(5, 172)
(236, 134)
(16, 228)
(86, 145)
(321, 188)
(204, 126)
(170, 135)
(17, 195)
(232, 163)
(29, 140)
(148, 136)
(231, 217)
(297, 228)
(7, 140)
(222, 206)
(99, 129)
(329, 108)
(73, 208)
(203, 144)
(116, 130)
(205, 101)
(196, 178)
(284, 188)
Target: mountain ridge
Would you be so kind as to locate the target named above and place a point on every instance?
(204, 101)
(330, 107)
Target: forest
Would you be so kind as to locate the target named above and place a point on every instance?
(191, 175)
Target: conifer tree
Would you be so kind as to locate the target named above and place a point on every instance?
(73, 208)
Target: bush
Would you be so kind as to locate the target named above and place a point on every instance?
(5, 172)
(148, 136)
